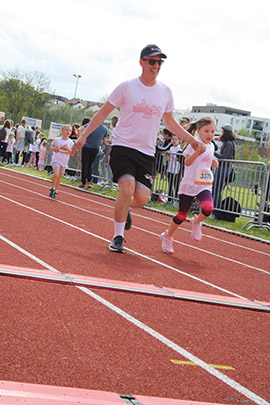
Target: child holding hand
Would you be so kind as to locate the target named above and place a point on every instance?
(197, 182)
(61, 147)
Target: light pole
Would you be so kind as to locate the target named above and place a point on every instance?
(77, 79)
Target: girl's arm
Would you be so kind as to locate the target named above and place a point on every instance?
(54, 148)
(68, 149)
(189, 159)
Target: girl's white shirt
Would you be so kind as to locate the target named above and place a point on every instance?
(201, 166)
(10, 145)
(61, 157)
(21, 130)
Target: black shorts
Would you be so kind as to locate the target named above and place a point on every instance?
(125, 160)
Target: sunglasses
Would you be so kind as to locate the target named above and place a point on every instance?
(152, 62)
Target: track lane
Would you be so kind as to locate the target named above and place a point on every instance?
(96, 256)
(107, 205)
(198, 266)
(203, 336)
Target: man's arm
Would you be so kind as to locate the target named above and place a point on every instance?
(98, 119)
(172, 125)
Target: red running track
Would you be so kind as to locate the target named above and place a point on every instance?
(123, 342)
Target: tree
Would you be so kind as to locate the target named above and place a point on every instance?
(23, 93)
(248, 152)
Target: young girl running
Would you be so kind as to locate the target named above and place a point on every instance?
(61, 147)
(197, 182)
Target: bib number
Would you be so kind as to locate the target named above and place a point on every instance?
(204, 177)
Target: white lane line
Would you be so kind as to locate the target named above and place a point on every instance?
(138, 215)
(156, 335)
(207, 252)
(134, 252)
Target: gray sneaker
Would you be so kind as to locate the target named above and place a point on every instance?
(116, 244)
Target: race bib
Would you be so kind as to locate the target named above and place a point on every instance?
(204, 177)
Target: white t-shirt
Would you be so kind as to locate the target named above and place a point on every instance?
(21, 129)
(198, 176)
(10, 145)
(62, 156)
(35, 147)
(142, 108)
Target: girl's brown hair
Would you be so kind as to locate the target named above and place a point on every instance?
(193, 126)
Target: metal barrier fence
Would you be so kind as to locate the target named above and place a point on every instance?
(263, 218)
(240, 188)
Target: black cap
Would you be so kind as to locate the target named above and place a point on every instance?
(152, 50)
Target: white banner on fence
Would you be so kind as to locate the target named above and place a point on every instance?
(33, 122)
(55, 129)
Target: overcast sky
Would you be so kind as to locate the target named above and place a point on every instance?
(218, 51)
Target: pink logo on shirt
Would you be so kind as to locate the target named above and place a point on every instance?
(148, 111)
(207, 159)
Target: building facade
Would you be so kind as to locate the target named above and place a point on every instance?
(257, 128)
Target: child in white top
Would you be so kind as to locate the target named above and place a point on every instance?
(197, 182)
(42, 155)
(61, 147)
(10, 146)
(173, 168)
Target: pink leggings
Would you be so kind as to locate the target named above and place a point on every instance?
(185, 201)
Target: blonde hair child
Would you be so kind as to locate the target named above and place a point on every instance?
(61, 147)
